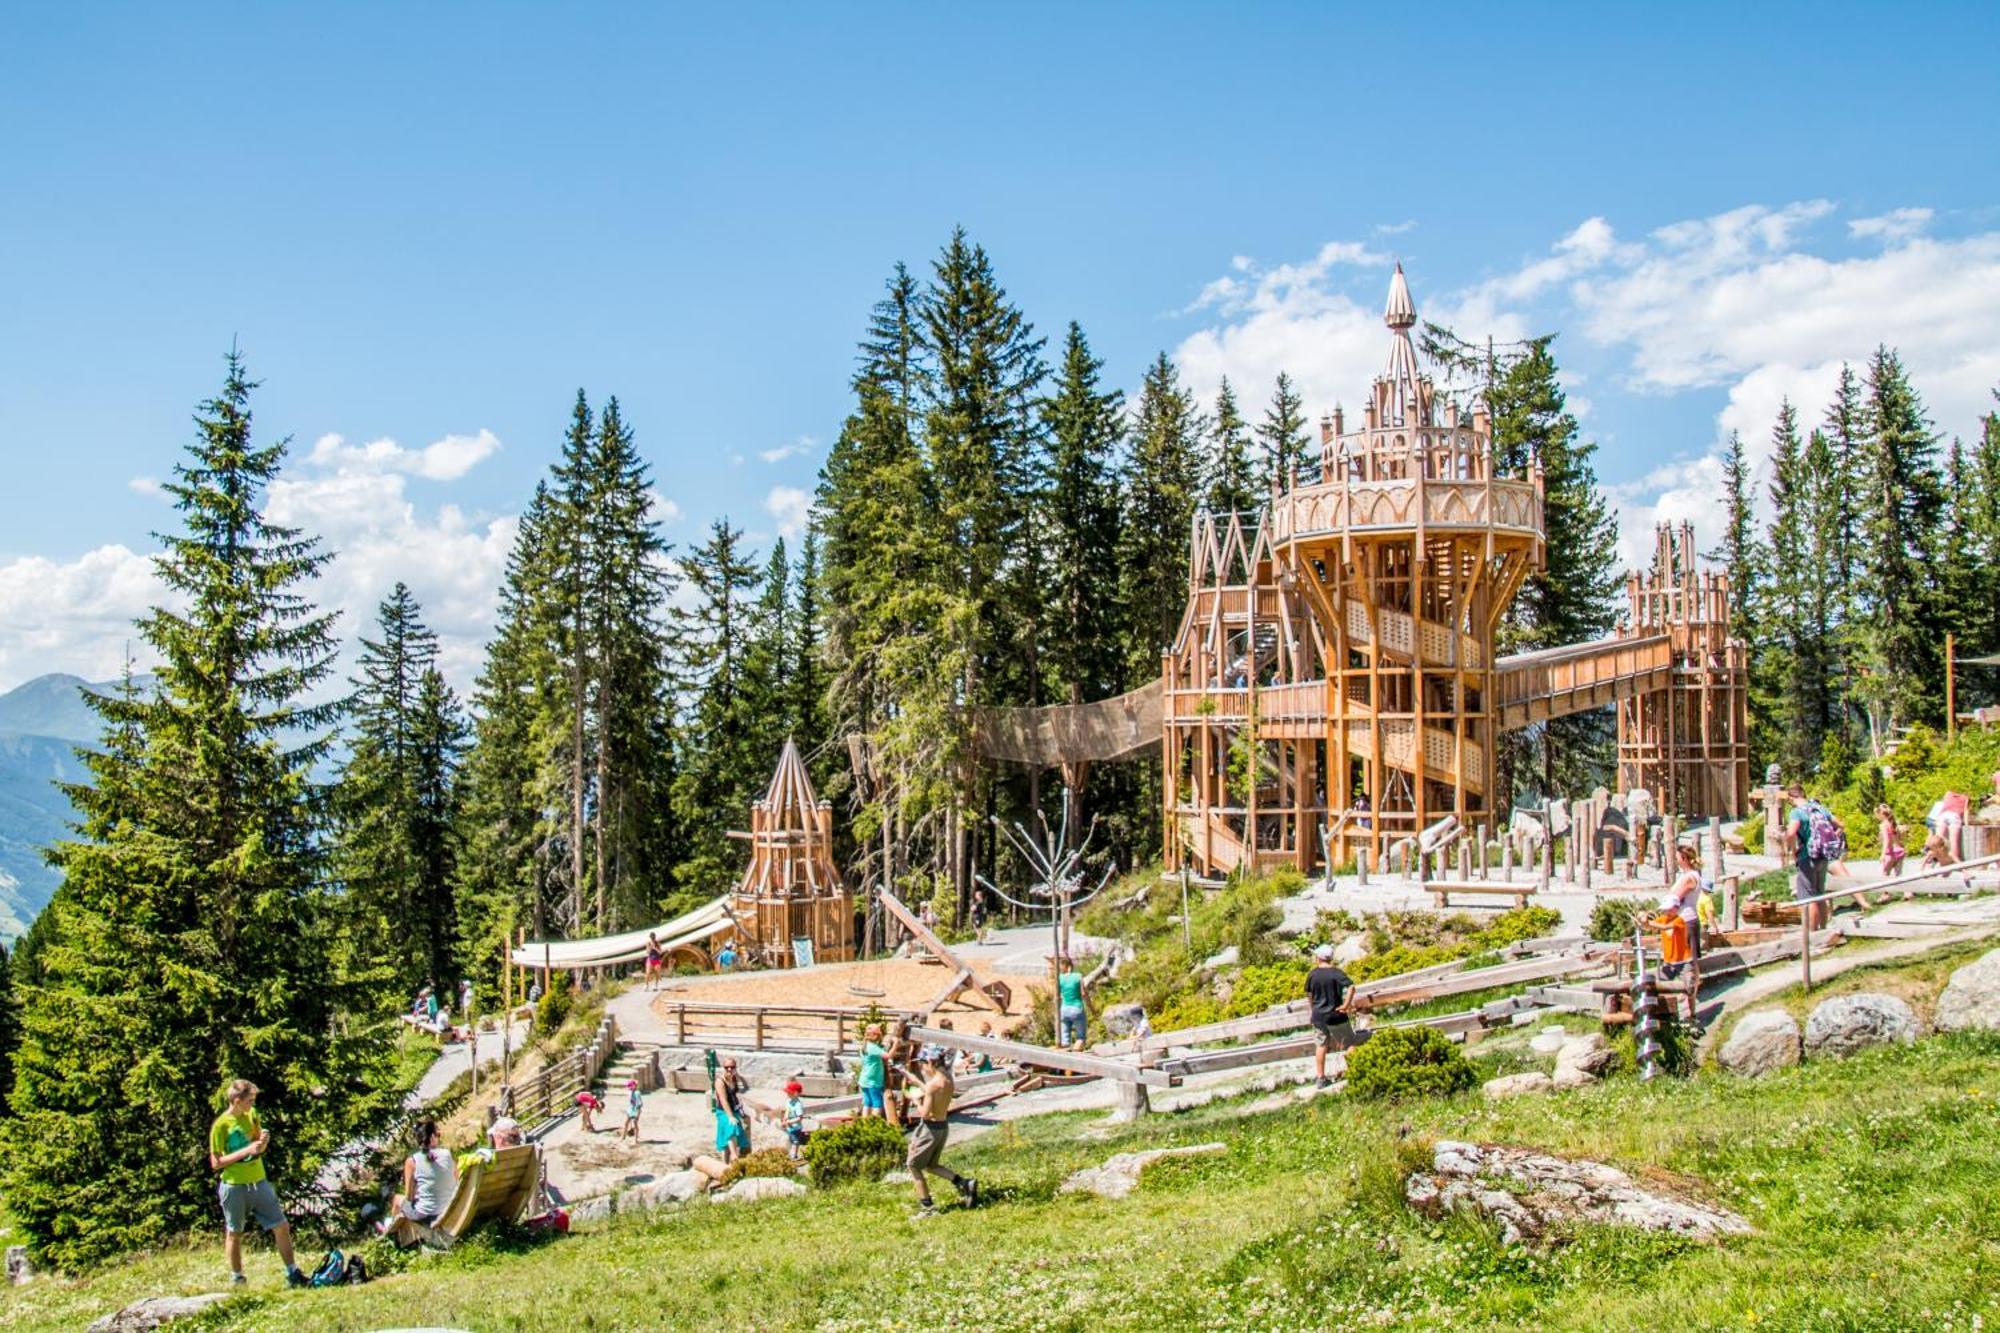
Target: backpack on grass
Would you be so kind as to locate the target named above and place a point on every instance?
(332, 1271)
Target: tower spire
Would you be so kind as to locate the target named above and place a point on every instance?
(1400, 314)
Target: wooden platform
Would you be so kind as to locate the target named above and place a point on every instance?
(1441, 889)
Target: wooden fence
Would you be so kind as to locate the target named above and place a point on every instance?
(757, 1027)
(544, 1098)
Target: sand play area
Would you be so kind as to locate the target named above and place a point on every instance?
(890, 983)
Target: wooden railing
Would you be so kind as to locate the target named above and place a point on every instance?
(542, 1099)
(1527, 678)
(757, 1027)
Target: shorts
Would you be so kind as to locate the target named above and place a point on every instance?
(927, 1143)
(795, 1135)
(1074, 1025)
(1333, 1036)
(871, 1099)
(257, 1199)
(1808, 880)
(409, 1210)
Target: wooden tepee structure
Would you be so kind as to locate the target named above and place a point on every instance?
(791, 907)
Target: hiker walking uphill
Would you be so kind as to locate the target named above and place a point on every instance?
(1332, 995)
(236, 1147)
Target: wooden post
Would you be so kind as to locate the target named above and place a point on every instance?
(1361, 864)
(1805, 945)
(1545, 864)
(1187, 927)
(1482, 851)
(1507, 859)
(1464, 861)
(1715, 849)
(1950, 687)
(1670, 842)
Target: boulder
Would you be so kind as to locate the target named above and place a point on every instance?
(1760, 1043)
(585, 1211)
(1227, 958)
(1351, 950)
(1121, 1020)
(1516, 1085)
(20, 1272)
(676, 1187)
(755, 1189)
(897, 1177)
(1119, 1176)
(1588, 1054)
(1531, 1193)
(155, 1311)
(1971, 998)
(1849, 1023)
(1569, 1076)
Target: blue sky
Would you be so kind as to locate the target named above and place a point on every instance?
(427, 222)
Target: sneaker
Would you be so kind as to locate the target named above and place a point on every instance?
(237, 1279)
(924, 1209)
(968, 1191)
(294, 1278)
(1324, 1083)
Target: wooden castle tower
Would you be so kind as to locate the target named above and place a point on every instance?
(792, 894)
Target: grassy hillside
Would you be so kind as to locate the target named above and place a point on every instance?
(1869, 1182)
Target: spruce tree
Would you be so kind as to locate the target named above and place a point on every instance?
(1283, 434)
(1084, 422)
(1231, 485)
(398, 914)
(806, 675)
(1901, 509)
(10, 1028)
(717, 771)
(1571, 599)
(1743, 562)
(1162, 491)
(195, 939)
(1979, 516)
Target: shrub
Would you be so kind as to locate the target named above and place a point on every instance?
(1613, 919)
(1676, 1051)
(1517, 924)
(1260, 987)
(1398, 1063)
(858, 1150)
(763, 1162)
(553, 1007)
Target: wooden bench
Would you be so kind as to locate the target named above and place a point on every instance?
(502, 1189)
(1442, 889)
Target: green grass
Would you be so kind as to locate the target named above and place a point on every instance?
(1869, 1182)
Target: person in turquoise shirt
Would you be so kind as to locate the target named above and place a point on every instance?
(236, 1147)
(1071, 1018)
(874, 1078)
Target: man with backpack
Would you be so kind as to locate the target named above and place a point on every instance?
(1815, 840)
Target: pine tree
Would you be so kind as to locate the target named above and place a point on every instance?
(1901, 509)
(1163, 488)
(807, 674)
(1979, 515)
(1231, 487)
(1743, 561)
(437, 751)
(718, 770)
(767, 658)
(10, 1028)
(1570, 600)
(195, 931)
(1283, 434)
(1795, 672)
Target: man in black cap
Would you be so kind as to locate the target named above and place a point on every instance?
(1331, 993)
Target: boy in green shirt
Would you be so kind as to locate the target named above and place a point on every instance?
(874, 1078)
(236, 1148)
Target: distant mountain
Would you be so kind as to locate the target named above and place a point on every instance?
(41, 724)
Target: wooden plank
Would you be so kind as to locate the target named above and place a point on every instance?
(1507, 974)
(1017, 1052)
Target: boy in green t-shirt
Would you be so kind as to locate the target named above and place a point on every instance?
(236, 1147)
(874, 1078)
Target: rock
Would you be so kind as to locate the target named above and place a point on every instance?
(1119, 1176)
(1761, 1043)
(897, 1177)
(678, 1187)
(1849, 1023)
(755, 1189)
(1516, 1085)
(1227, 958)
(590, 1210)
(1351, 950)
(1120, 1020)
(1971, 998)
(1569, 1076)
(19, 1271)
(155, 1311)
(1589, 1054)
(1530, 1193)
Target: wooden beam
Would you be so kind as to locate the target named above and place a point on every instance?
(1018, 1052)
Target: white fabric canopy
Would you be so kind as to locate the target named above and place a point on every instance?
(705, 921)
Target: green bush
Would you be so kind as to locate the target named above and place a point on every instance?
(553, 1007)
(1676, 1050)
(1407, 1062)
(1520, 923)
(858, 1150)
(1613, 919)
(763, 1162)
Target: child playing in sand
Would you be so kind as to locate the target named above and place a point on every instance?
(634, 1103)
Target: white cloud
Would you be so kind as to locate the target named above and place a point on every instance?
(77, 615)
(1395, 228)
(72, 615)
(791, 507)
(1898, 224)
(447, 459)
(805, 444)
(146, 486)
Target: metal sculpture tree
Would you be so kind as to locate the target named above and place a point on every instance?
(1058, 868)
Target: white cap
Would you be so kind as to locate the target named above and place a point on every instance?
(505, 1124)
(1670, 900)
(1324, 953)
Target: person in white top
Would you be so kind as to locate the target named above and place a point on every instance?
(430, 1178)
